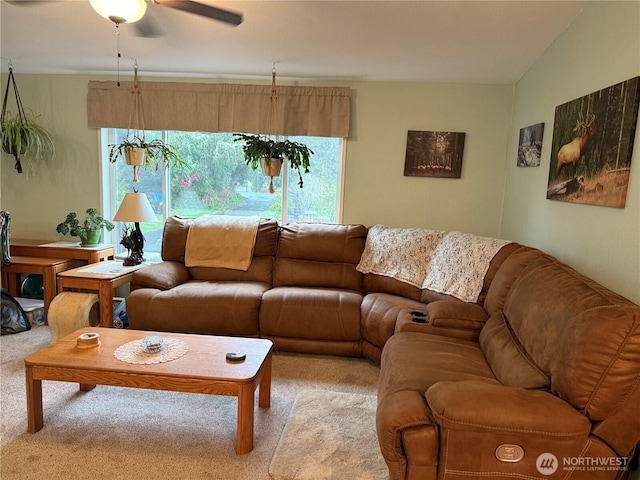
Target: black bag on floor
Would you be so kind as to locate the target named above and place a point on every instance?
(14, 320)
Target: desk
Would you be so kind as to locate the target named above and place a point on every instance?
(103, 278)
(70, 250)
(45, 266)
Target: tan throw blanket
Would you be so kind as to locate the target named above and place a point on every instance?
(459, 264)
(400, 253)
(221, 241)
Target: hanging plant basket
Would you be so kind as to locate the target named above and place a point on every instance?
(271, 167)
(135, 156)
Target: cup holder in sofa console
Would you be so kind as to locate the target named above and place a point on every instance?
(419, 317)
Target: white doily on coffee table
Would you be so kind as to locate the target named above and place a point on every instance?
(133, 352)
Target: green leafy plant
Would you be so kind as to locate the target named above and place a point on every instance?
(92, 223)
(257, 147)
(24, 138)
(158, 152)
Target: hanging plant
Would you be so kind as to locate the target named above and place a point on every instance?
(156, 153)
(267, 152)
(138, 151)
(22, 137)
(259, 149)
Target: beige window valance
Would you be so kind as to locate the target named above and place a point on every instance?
(301, 110)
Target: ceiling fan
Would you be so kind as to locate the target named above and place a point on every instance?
(133, 11)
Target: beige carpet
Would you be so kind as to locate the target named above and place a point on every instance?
(126, 433)
(329, 435)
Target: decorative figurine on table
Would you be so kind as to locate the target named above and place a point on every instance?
(133, 241)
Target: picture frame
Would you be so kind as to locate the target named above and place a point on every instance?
(434, 154)
(592, 146)
(530, 145)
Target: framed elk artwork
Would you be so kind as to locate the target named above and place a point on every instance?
(592, 146)
(434, 154)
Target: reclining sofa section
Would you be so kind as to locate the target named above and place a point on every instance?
(545, 365)
(302, 289)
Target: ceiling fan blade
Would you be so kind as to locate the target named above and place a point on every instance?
(29, 3)
(148, 27)
(226, 16)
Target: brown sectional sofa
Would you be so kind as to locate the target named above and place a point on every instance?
(545, 362)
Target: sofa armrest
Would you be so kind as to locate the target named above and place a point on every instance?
(479, 406)
(454, 314)
(493, 431)
(407, 433)
(450, 318)
(162, 276)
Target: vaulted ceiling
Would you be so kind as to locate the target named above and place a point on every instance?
(492, 42)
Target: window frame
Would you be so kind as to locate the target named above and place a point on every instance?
(108, 179)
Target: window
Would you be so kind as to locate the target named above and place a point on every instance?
(221, 183)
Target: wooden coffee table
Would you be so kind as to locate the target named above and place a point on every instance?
(203, 369)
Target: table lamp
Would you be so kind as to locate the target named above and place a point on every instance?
(135, 207)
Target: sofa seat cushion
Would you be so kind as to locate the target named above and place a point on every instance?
(311, 313)
(415, 361)
(219, 308)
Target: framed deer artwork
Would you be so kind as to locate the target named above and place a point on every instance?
(592, 146)
(434, 154)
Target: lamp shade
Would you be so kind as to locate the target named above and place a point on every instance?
(120, 11)
(135, 207)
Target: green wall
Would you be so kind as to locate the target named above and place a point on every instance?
(375, 189)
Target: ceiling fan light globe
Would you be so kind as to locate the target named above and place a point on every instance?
(120, 11)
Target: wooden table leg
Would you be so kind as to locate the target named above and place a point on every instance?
(35, 418)
(50, 288)
(245, 419)
(264, 398)
(105, 297)
(11, 281)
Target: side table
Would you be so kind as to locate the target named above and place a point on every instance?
(101, 277)
(47, 267)
(71, 250)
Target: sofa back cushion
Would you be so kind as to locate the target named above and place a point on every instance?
(503, 279)
(319, 255)
(498, 259)
(584, 337)
(174, 241)
(174, 238)
(380, 284)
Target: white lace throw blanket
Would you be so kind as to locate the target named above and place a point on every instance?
(400, 253)
(221, 241)
(453, 263)
(459, 264)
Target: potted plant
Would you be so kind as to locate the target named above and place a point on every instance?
(23, 137)
(265, 152)
(149, 154)
(89, 230)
